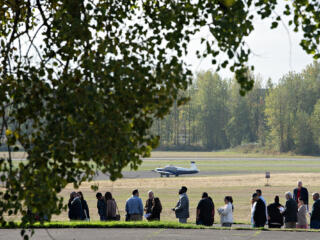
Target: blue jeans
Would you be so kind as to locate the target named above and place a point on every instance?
(315, 224)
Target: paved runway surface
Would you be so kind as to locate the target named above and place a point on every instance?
(151, 174)
(158, 234)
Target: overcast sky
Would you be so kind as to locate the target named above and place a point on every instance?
(271, 50)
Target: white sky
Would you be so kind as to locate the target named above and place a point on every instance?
(271, 52)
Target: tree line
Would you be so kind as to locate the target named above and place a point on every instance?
(283, 117)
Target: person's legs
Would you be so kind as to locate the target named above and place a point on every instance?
(226, 224)
(274, 225)
(290, 225)
(135, 217)
(259, 225)
(315, 224)
(182, 220)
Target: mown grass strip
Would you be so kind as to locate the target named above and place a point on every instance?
(161, 224)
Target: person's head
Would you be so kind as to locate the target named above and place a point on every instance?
(183, 190)
(315, 196)
(150, 194)
(301, 202)
(156, 201)
(205, 195)
(259, 192)
(80, 195)
(99, 195)
(288, 195)
(228, 199)
(73, 195)
(108, 196)
(299, 183)
(135, 193)
(255, 197)
(276, 199)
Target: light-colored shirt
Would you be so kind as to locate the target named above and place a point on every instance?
(226, 214)
(134, 206)
(253, 209)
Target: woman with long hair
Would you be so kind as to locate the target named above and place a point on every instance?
(155, 210)
(111, 206)
(85, 209)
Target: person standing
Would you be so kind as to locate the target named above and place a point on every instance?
(149, 204)
(182, 207)
(259, 192)
(275, 218)
(301, 192)
(315, 213)
(155, 210)
(213, 211)
(85, 209)
(302, 215)
(290, 211)
(102, 208)
(75, 208)
(226, 212)
(205, 211)
(111, 207)
(134, 207)
(258, 211)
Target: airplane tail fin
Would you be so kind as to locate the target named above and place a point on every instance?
(193, 166)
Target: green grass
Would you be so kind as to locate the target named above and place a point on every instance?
(253, 165)
(160, 224)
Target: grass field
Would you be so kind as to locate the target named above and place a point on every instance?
(244, 165)
(240, 187)
(245, 174)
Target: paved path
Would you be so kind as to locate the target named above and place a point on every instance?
(158, 234)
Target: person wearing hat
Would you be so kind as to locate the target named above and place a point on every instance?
(182, 207)
(258, 211)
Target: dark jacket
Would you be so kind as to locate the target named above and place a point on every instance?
(85, 209)
(315, 214)
(276, 217)
(291, 211)
(75, 209)
(303, 194)
(206, 208)
(148, 205)
(155, 213)
(259, 215)
(102, 209)
(182, 208)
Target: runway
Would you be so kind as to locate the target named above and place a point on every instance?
(151, 174)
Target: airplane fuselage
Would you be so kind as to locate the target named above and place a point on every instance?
(176, 171)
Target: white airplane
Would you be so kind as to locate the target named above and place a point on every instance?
(176, 171)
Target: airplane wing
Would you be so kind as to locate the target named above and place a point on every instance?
(164, 172)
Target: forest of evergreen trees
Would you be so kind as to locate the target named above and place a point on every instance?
(282, 117)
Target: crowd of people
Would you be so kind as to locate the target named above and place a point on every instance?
(292, 215)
